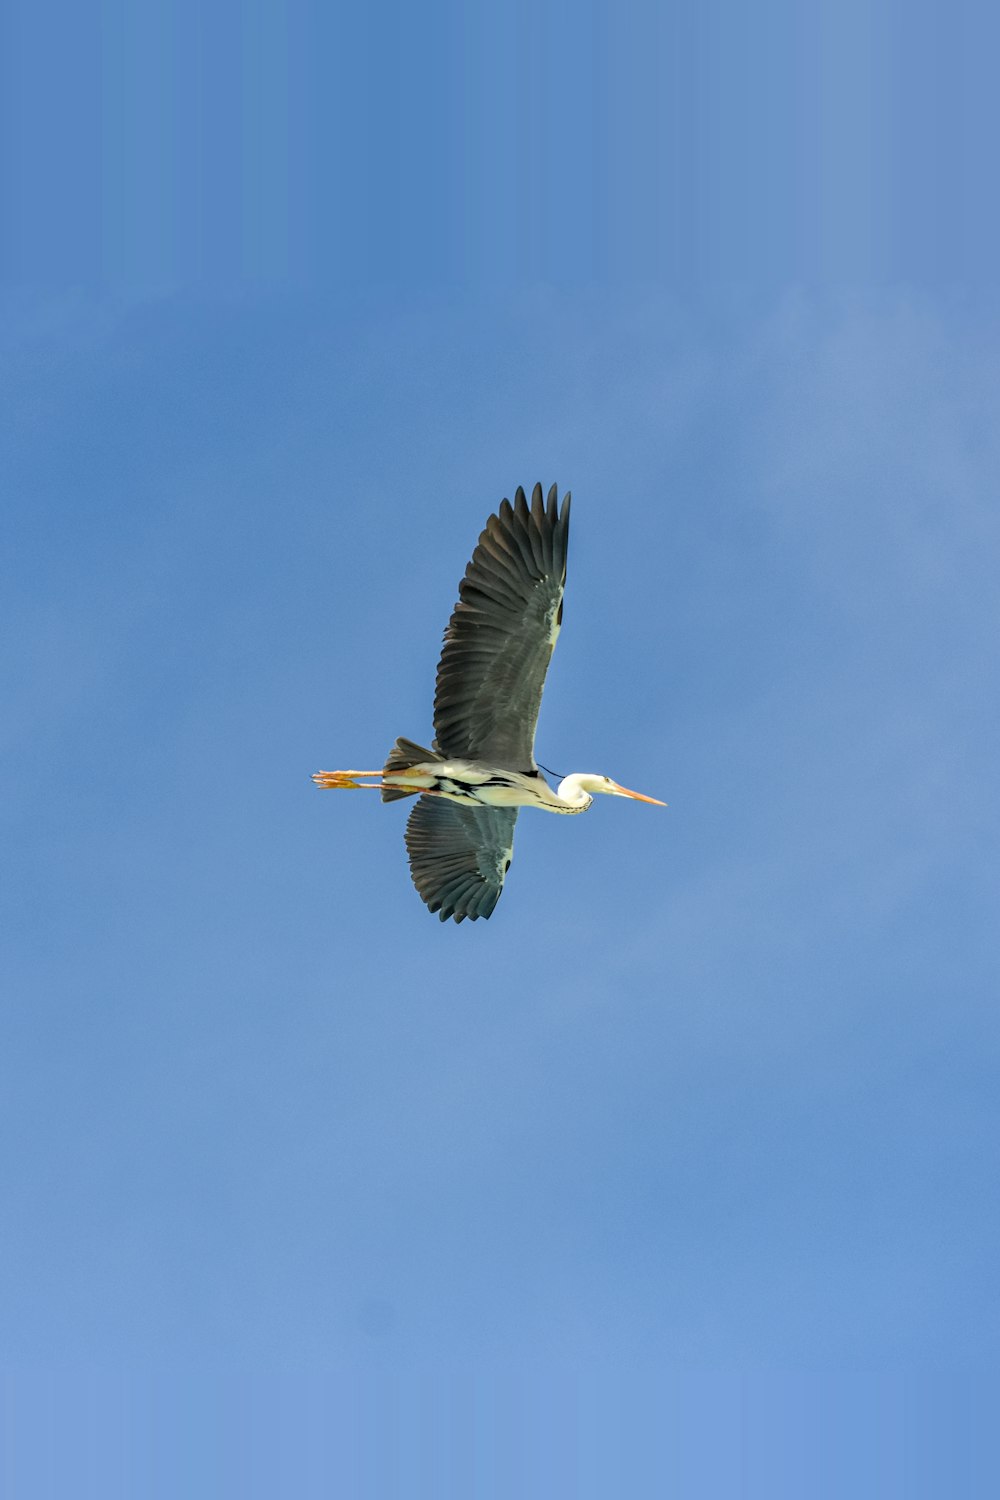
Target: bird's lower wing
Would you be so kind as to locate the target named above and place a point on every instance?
(459, 855)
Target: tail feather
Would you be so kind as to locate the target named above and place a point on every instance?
(404, 754)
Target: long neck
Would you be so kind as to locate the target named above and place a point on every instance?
(572, 795)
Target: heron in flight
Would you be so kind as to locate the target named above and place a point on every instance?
(482, 769)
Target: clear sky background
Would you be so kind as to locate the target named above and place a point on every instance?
(680, 1175)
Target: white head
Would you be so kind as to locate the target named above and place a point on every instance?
(583, 786)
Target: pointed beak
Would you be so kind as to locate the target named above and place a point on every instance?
(637, 796)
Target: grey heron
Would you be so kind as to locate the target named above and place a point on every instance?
(482, 768)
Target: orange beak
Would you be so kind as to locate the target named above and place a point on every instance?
(638, 797)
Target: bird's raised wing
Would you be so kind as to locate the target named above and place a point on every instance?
(502, 632)
(459, 855)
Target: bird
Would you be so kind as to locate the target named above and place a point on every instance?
(481, 769)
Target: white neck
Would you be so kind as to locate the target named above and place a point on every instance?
(572, 792)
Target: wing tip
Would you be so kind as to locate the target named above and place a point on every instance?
(545, 512)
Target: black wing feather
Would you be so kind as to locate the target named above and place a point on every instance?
(459, 855)
(501, 635)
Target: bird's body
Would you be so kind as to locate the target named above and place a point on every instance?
(470, 782)
(482, 768)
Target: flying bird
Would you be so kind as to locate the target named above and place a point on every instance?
(482, 768)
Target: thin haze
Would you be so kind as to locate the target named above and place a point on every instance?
(709, 1106)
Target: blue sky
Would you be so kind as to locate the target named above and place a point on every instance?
(679, 1175)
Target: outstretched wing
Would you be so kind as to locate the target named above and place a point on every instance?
(502, 632)
(459, 855)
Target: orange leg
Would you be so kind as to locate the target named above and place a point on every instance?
(345, 778)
